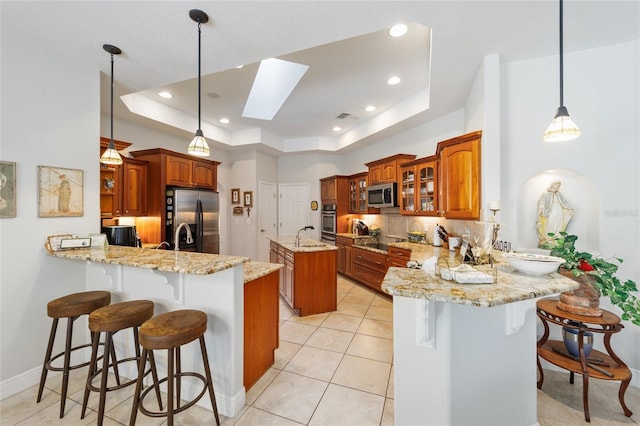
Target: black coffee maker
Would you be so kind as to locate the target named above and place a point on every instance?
(121, 235)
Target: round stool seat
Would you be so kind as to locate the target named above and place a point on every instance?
(173, 329)
(76, 304)
(120, 315)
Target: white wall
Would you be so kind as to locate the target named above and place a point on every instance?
(48, 118)
(601, 94)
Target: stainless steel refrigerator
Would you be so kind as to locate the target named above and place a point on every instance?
(199, 209)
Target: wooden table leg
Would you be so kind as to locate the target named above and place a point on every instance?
(585, 397)
(623, 388)
(541, 378)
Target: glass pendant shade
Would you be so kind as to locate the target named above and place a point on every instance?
(111, 155)
(199, 146)
(562, 127)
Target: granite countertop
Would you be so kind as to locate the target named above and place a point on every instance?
(161, 260)
(510, 287)
(306, 245)
(255, 270)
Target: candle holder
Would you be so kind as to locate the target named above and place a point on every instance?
(495, 225)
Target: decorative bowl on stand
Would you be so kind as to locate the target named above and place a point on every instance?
(570, 337)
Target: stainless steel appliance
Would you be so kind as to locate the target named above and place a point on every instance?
(121, 235)
(199, 209)
(329, 220)
(383, 195)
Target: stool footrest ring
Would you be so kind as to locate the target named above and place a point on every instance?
(181, 407)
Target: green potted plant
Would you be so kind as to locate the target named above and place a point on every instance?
(601, 274)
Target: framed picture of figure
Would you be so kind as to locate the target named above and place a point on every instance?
(60, 192)
(7, 189)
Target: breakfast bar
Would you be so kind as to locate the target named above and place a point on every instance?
(466, 353)
(182, 280)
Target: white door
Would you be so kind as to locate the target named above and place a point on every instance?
(294, 214)
(268, 218)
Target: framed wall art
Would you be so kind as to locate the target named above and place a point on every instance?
(248, 198)
(7, 189)
(60, 192)
(235, 195)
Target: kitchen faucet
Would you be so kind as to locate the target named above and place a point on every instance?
(176, 247)
(298, 234)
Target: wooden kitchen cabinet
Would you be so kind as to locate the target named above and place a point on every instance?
(419, 187)
(386, 170)
(345, 256)
(261, 326)
(358, 195)
(460, 176)
(109, 197)
(369, 267)
(398, 257)
(134, 187)
(334, 190)
(186, 172)
(309, 279)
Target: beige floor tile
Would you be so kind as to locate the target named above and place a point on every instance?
(358, 290)
(359, 299)
(310, 319)
(371, 347)
(344, 406)
(391, 387)
(113, 399)
(376, 328)
(341, 322)
(226, 421)
(284, 353)
(285, 312)
(388, 414)
(254, 417)
(332, 340)
(22, 405)
(122, 412)
(380, 313)
(382, 301)
(51, 416)
(292, 396)
(295, 332)
(315, 363)
(195, 415)
(363, 374)
(258, 387)
(352, 309)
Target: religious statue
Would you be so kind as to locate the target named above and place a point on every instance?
(554, 213)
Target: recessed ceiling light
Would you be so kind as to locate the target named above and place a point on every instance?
(165, 95)
(337, 128)
(370, 108)
(398, 30)
(224, 120)
(393, 81)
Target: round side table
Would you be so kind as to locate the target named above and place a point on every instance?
(598, 365)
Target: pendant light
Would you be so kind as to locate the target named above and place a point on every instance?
(562, 127)
(111, 155)
(198, 145)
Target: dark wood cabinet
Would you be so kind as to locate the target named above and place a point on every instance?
(189, 173)
(398, 257)
(345, 255)
(386, 170)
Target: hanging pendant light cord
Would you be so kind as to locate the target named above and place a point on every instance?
(199, 37)
(111, 100)
(561, 60)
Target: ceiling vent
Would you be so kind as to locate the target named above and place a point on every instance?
(343, 115)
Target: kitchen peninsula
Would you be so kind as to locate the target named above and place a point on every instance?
(466, 353)
(183, 280)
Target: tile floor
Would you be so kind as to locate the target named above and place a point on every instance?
(331, 369)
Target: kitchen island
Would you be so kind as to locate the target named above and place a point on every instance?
(309, 280)
(182, 280)
(466, 353)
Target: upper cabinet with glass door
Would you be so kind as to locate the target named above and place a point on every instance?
(358, 194)
(419, 187)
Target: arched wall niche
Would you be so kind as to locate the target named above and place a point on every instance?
(581, 195)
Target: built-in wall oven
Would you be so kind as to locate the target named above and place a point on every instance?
(329, 222)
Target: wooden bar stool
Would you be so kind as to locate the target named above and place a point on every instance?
(111, 319)
(170, 331)
(71, 307)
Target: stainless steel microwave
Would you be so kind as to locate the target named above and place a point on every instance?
(383, 195)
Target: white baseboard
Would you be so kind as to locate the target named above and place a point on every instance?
(22, 381)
